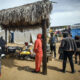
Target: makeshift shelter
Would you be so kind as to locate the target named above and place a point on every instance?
(28, 16)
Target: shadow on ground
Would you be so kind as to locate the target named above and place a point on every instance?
(56, 69)
(25, 68)
(8, 62)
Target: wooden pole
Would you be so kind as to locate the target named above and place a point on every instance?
(9, 37)
(6, 35)
(44, 47)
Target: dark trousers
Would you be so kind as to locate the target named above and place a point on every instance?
(61, 56)
(77, 54)
(68, 54)
(53, 48)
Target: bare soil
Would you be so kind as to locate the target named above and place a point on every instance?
(14, 69)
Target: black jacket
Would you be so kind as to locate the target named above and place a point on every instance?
(68, 44)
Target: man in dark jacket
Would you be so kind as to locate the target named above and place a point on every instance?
(77, 40)
(2, 44)
(69, 47)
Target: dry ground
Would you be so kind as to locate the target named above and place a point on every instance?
(14, 69)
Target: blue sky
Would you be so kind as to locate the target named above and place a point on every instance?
(65, 12)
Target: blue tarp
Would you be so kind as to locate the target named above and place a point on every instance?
(75, 32)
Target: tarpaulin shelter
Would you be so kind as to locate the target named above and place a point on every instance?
(75, 30)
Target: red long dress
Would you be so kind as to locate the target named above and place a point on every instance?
(39, 52)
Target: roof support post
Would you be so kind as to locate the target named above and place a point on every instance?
(6, 35)
(44, 26)
(9, 37)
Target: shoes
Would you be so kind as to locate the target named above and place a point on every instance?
(63, 71)
(34, 71)
(73, 71)
(75, 62)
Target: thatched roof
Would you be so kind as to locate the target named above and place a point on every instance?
(26, 15)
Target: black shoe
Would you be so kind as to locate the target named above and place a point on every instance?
(63, 71)
(34, 71)
(73, 71)
(75, 62)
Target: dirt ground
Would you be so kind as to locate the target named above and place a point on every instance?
(14, 69)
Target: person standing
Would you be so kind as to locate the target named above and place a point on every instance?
(77, 39)
(39, 53)
(53, 44)
(2, 44)
(69, 47)
(69, 30)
